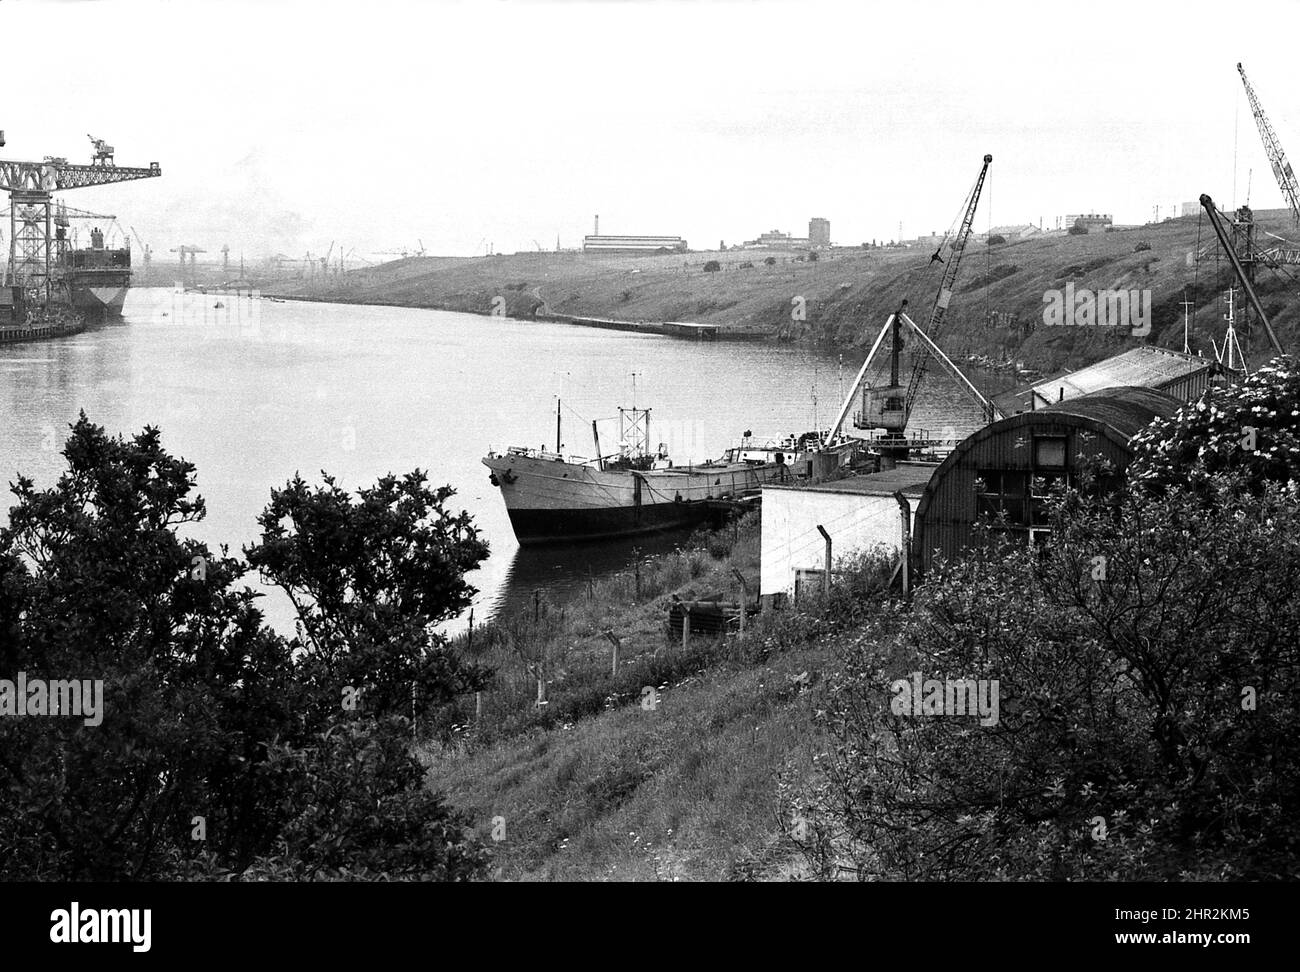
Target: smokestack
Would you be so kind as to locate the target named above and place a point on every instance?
(597, 233)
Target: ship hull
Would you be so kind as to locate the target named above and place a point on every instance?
(551, 501)
(99, 303)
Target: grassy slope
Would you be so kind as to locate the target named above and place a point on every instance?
(597, 786)
(847, 295)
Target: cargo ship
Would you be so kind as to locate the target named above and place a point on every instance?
(96, 278)
(552, 498)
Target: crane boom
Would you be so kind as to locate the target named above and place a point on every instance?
(1216, 221)
(1286, 179)
(58, 176)
(938, 311)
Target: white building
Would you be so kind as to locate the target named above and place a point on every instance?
(859, 513)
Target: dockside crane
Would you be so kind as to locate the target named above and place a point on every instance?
(1243, 277)
(31, 187)
(145, 248)
(890, 407)
(1282, 171)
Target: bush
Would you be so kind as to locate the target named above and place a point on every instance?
(997, 239)
(206, 712)
(1145, 717)
(712, 266)
(1142, 247)
(770, 261)
(1078, 230)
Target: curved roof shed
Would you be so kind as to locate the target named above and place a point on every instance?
(1005, 471)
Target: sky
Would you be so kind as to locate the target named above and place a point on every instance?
(285, 126)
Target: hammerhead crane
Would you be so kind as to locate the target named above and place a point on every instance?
(893, 404)
(31, 186)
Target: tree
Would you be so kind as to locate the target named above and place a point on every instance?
(369, 580)
(1146, 663)
(712, 266)
(211, 727)
(996, 239)
(769, 261)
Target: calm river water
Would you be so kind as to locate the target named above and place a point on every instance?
(254, 390)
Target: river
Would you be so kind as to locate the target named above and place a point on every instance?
(253, 391)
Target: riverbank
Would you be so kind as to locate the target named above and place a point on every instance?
(840, 299)
(12, 334)
(664, 761)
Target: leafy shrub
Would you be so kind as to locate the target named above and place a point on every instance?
(208, 713)
(997, 239)
(1146, 713)
(712, 266)
(1142, 247)
(769, 261)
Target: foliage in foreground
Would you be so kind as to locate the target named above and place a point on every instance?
(1148, 665)
(225, 749)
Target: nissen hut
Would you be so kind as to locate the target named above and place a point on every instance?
(1011, 466)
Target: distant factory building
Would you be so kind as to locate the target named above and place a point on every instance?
(1192, 208)
(631, 245)
(1092, 222)
(1005, 473)
(819, 231)
(1184, 376)
(1020, 231)
(860, 513)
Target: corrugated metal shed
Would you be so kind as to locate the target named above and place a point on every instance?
(1008, 466)
(1184, 376)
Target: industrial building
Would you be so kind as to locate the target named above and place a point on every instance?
(1010, 467)
(819, 231)
(633, 245)
(1184, 376)
(859, 513)
(1092, 222)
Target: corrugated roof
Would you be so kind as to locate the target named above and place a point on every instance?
(1147, 366)
(908, 477)
(1124, 409)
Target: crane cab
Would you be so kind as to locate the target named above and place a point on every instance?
(883, 407)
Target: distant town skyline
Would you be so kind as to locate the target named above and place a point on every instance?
(464, 126)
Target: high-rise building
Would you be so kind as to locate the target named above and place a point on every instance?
(819, 231)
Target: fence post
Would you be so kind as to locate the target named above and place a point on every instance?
(906, 552)
(614, 645)
(478, 706)
(636, 562)
(744, 598)
(826, 580)
(686, 626)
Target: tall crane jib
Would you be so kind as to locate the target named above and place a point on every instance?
(31, 266)
(939, 309)
(1282, 171)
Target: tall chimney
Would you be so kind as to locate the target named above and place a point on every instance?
(597, 233)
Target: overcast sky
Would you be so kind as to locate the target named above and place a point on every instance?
(283, 126)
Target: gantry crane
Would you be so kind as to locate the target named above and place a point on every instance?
(31, 186)
(890, 407)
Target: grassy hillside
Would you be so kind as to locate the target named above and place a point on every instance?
(604, 782)
(847, 294)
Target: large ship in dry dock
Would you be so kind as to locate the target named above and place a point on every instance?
(553, 498)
